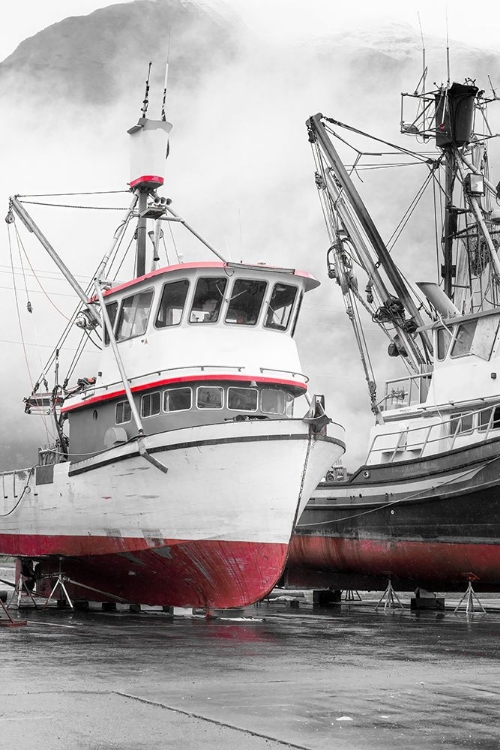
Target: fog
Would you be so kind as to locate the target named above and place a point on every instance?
(240, 170)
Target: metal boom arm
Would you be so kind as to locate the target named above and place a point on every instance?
(318, 132)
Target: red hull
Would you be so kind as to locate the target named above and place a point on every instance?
(206, 574)
(321, 561)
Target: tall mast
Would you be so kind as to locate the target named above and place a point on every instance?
(317, 131)
(149, 149)
(448, 270)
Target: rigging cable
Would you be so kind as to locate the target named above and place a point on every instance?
(21, 332)
(21, 246)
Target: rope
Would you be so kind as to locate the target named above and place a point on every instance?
(20, 244)
(60, 195)
(26, 486)
(69, 205)
(17, 307)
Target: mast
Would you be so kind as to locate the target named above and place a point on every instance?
(448, 270)
(406, 327)
(148, 152)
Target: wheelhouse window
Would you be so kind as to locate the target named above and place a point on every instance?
(123, 412)
(463, 339)
(177, 399)
(112, 309)
(443, 338)
(272, 401)
(461, 424)
(242, 399)
(246, 301)
(208, 299)
(489, 419)
(134, 314)
(150, 404)
(209, 397)
(172, 303)
(280, 307)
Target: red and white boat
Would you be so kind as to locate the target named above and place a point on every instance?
(185, 467)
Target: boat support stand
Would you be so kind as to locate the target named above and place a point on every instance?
(389, 597)
(469, 597)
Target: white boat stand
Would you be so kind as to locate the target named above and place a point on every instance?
(469, 597)
(389, 597)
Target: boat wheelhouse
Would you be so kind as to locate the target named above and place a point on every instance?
(229, 330)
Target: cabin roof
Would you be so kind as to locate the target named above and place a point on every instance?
(310, 281)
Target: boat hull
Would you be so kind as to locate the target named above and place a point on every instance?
(426, 523)
(211, 532)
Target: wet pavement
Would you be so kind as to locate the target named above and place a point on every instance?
(347, 677)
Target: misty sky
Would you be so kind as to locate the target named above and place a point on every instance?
(255, 195)
(284, 18)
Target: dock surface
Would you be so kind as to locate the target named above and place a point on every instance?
(346, 677)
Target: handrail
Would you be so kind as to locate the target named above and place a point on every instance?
(239, 368)
(412, 382)
(487, 428)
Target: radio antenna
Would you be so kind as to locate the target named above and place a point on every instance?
(145, 102)
(163, 104)
(424, 67)
(447, 48)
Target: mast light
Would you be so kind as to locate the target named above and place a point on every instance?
(474, 185)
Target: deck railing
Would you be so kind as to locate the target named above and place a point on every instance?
(407, 391)
(477, 424)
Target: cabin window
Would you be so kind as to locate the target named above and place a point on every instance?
(443, 338)
(112, 308)
(209, 397)
(246, 301)
(489, 419)
(242, 399)
(177, 399)
(150, 404)
(272, 401)
(463, 338)
(134, 314)
(208, 299)
(280, 307)
(461, 424)
(485, 336)
(123, 412)
(172, 303)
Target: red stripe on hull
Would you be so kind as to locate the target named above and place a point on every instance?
(442, 564)
(208, 574)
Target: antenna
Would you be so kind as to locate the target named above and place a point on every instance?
(423, 78)
(447, 48)
(424, 68)
(163, 113)
(145, 101)
(493, 90)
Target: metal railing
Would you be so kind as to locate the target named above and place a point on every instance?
(456, 425)
(407, 391)
(91, 390)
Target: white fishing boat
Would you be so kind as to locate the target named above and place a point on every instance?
(180, 466)
(424, 508)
